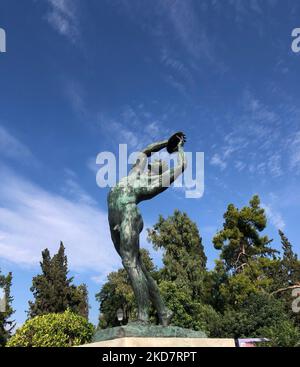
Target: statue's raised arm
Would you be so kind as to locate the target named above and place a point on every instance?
(143, 156)
(168, 177)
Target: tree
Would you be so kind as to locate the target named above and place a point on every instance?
(282, 334)
(287, 277)
(6, 325)
(240, 240)
(53, 330)
(117, 293)
(289, 274)
(79, 302)
(53, 290)
(251, 318)
(184, 258)
(183, 278)
(189, 312)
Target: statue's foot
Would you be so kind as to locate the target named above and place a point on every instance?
(166, 317)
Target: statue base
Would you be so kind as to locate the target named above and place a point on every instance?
(138, 330)
(163, 343)
(156, 336)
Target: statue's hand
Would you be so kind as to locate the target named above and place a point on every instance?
(177, 140)
(182, 140)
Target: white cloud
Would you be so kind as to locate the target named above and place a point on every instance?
(72, 189)
(12, 148)
(75, 94)
(63, 17)
(32, 219)
(135, 127)
(274, 216)
(188, 28)
(256, 142)
(294, 144)
(217, 161)
(92, 166)
(239, 165)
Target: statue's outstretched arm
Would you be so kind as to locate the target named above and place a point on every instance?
(142, 157)
(155, 147)
(168, 177)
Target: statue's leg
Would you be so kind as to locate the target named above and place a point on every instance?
(115, 236)
(164, 314)
(129, 251)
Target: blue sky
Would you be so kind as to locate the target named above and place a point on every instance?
(81, 77)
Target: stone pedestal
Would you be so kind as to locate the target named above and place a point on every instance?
(141, 335)
(163, 342)
(138, 330)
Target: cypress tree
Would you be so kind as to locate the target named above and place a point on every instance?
(53, 290)
(6, 324)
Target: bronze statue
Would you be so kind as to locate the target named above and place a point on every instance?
(126, 222)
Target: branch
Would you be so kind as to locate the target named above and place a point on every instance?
(295, 286)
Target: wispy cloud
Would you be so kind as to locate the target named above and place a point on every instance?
(32, 219)
(188, 28)
(294, 146)
(184, 43)
(75, 94)
(11, 147)
(73, 190)
(274, 216)
(63, 17)
(217, 161)
(134, 126)
(256, 141)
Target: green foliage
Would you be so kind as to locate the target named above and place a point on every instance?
(287, 276)
(189, 312)
(184, 258)
(239, 240)
(6, 325)
(79, 302)
(255, 279)
(117, 293)
(249, 318)
(53, 330)
(53, 290)
(289, 273)
(283, 334)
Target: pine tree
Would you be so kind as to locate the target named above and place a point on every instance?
(53, 290)
(6, 325)
(240, 240)
(290, 262)
(184, 258)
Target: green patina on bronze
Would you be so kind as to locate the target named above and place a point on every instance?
(150, 331)
(126, 222)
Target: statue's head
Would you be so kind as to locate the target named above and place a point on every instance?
(157, 167)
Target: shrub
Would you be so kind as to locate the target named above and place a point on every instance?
(284, 334)
(53, 330)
